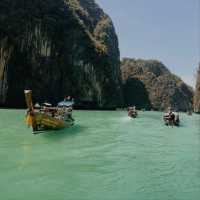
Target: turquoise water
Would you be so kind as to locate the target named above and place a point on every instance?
(105, 156)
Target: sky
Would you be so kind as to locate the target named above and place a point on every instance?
(165, 30)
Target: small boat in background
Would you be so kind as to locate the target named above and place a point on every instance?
(189, 113)
(132, 112)
(46, 117)
(171, 118)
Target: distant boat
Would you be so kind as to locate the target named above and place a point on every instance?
(171, 119)
(189, 113)
(48, 117)
(132, 112)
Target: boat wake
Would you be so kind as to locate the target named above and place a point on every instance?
(126, 119)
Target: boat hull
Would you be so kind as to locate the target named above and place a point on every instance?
(171, 122)
(42, 121)
(133, 115)
(167, 123)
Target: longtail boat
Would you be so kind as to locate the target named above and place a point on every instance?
(132, 112)
(47, 118)
(171, 119)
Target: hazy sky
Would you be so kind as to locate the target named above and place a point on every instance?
(167, 30)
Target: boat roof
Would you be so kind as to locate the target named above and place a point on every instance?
(47, 104)
(65, 103)
(37, 105)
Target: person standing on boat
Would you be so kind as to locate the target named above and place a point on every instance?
(67, 98)
(172, 117)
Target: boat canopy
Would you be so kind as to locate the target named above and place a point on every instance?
(65, 103)
(37, 105)
(47, 104)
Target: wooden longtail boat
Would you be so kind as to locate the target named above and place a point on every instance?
(41, 120)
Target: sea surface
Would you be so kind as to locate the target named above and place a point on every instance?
(105, 156)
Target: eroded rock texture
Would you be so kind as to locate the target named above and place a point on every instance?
(163, 88)
(57, 48)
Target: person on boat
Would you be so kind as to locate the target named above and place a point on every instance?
(69, 113)
(169, 114)
(132, 112)
(177, 120)
(67, 98)
(171, 118)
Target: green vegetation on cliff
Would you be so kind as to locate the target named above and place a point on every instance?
(163, 88)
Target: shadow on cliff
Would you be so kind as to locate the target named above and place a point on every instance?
(135, 93)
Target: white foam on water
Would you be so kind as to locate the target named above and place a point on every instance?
(126, 119)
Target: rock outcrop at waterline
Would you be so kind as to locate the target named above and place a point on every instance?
(162, 89)
(197, 93)
(57, 48)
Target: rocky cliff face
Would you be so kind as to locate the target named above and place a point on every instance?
(161, 88)
(57, 48)
(197, 93)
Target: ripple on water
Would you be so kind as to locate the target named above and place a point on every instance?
(106, 155)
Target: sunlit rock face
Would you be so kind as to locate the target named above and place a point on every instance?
(162, 88)
(197, 93)
(57, 48)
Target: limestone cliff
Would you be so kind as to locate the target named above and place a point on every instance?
(161, 88)
(57, 48)
(197, 93)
